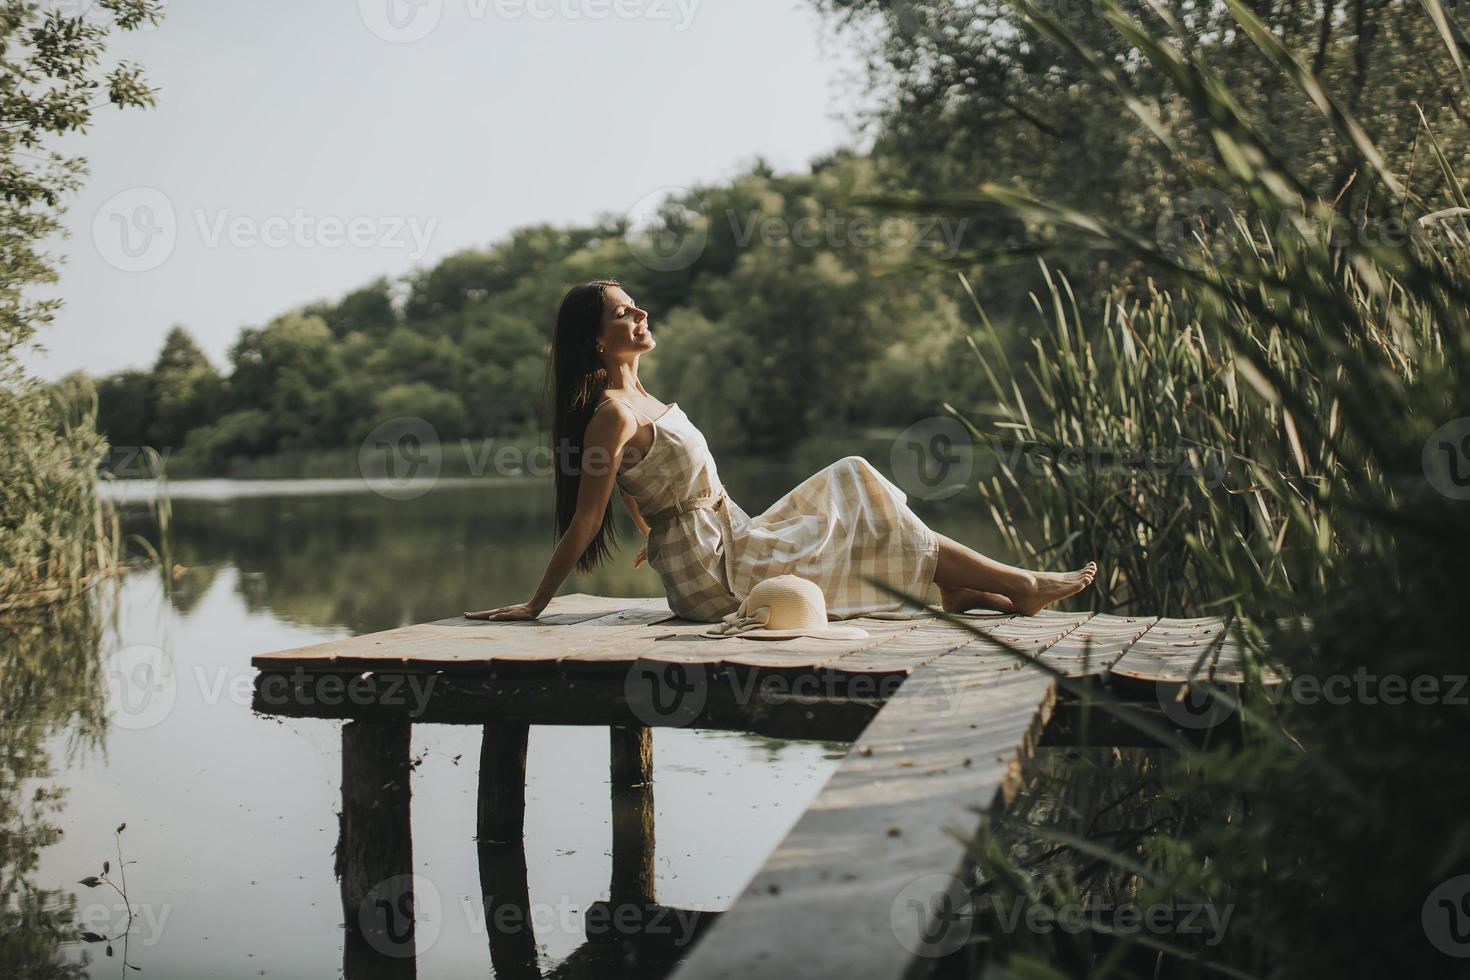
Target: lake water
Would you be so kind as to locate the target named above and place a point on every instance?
(231, 816)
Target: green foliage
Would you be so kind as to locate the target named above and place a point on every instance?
(1147, 448)
(777, 299)
(56, 537)
(1320, 351)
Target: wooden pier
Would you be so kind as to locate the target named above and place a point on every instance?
(941, 721)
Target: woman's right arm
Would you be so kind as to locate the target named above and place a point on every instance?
(607, 433)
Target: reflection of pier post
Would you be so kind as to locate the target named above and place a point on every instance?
(375, 851)
(500, 829)
(632, 817)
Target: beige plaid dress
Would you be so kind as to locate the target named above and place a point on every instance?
(842, 523)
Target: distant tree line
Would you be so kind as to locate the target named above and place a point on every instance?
(774, 323)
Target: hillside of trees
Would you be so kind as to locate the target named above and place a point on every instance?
(790, 321)
(796, 310)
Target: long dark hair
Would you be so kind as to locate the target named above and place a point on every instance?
(575, 380)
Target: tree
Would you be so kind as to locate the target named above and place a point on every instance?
(54, 530)
(969, 92)
(368, 310)
(184, 389)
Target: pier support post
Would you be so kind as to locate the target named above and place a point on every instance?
(375, 851)
(500, 826)
(501, 808)
(632, 816)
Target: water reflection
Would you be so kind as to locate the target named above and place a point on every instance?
(52, 708)
(232, 818)
(330, 554)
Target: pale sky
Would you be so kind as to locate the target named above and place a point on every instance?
(301, 148)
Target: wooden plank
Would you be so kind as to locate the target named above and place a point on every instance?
(1177, 651)
(569, 624)
(828, 902)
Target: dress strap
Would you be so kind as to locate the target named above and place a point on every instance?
(632, 406)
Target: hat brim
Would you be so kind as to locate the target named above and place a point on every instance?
(761, 633)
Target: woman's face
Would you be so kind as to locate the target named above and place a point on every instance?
(624, 330)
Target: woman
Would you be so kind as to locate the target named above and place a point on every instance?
(841, 524)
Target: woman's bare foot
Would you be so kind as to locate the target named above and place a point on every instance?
(1052, 587)
(961, 599)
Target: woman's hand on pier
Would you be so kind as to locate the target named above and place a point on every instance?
(523, 610)
(641, 557)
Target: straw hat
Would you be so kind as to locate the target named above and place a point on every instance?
(780, 608)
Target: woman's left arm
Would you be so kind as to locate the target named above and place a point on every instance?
(642, 525)
(632, 506)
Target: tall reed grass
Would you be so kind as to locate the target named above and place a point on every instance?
(1327, 356)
